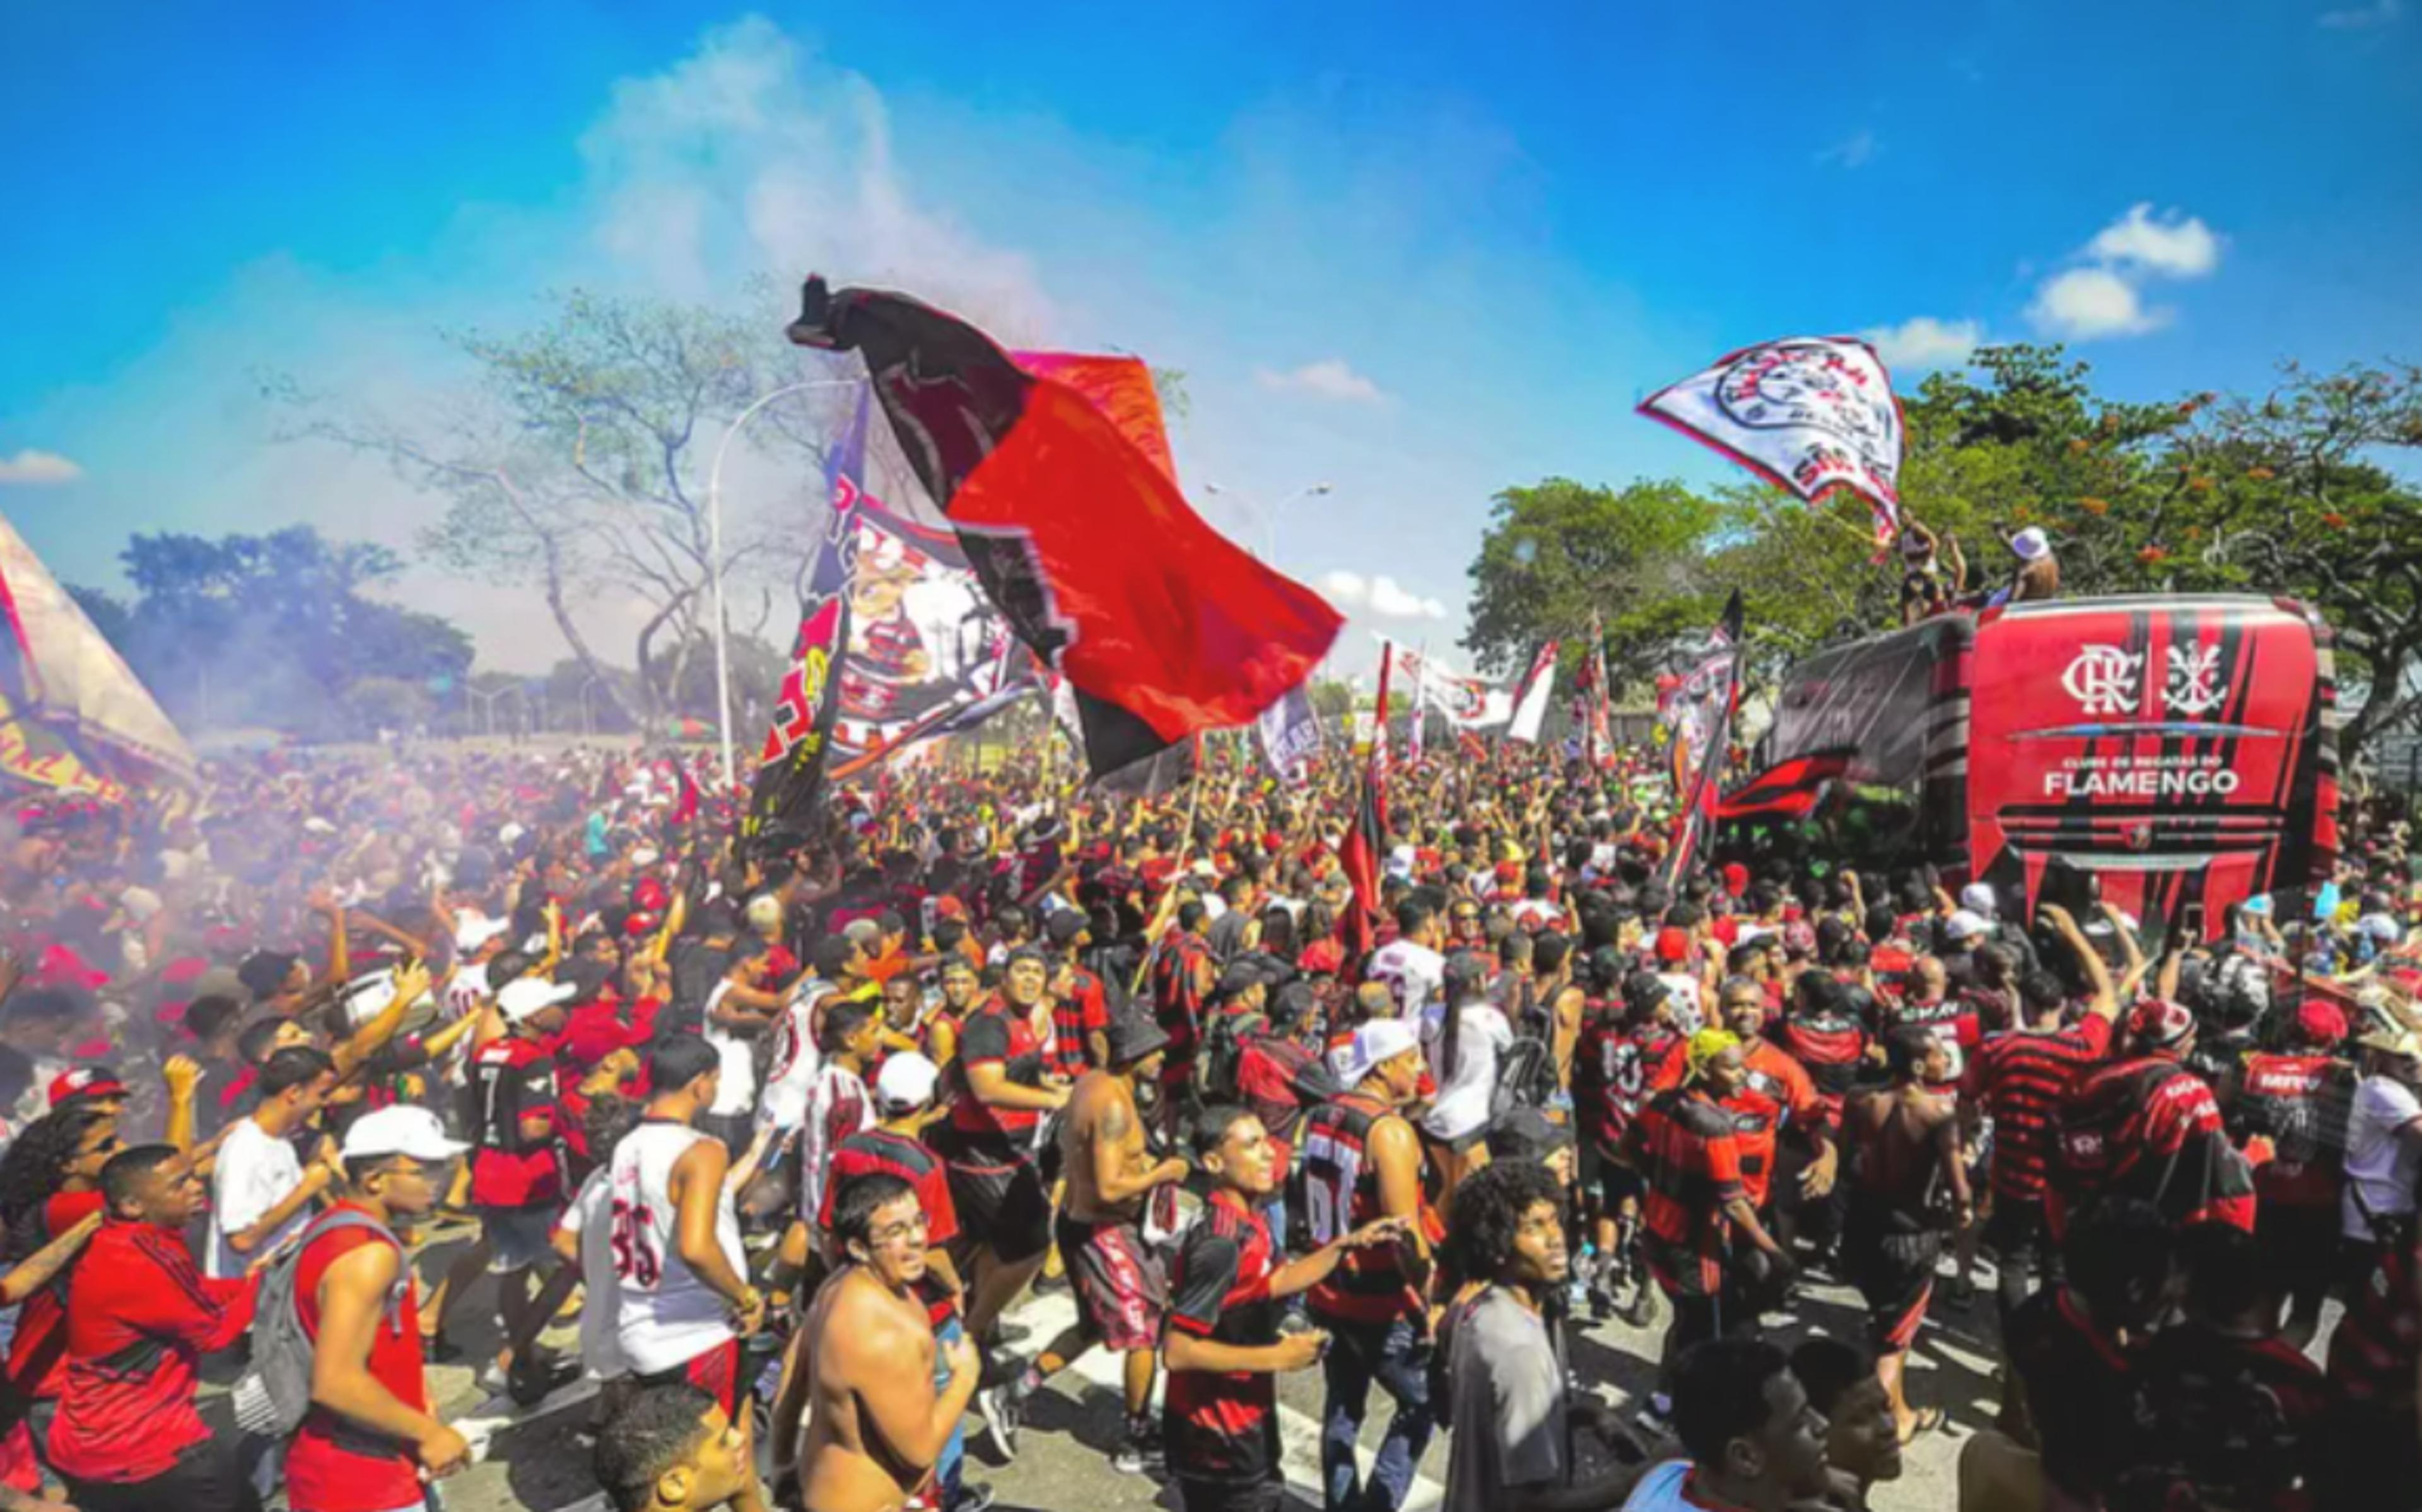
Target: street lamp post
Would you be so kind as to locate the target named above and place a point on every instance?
(1268, 514)
(714, 564)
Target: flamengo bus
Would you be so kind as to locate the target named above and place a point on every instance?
(2179, 752)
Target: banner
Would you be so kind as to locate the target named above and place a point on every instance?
(1593, 736)
(1689, 707)
(1466, 703)
(1366, 837)
(1054, 475)
(74, 716)
(1809, 414)
(1530, 700)
(784, 803)
(1721, 671)
(1290, 731)
(928, 653)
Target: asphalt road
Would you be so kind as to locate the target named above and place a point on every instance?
(538, 1461)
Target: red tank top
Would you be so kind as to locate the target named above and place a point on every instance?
(335, 1465)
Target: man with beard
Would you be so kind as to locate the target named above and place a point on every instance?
(876, 1424)
(1121, 1291)
(1511, 1411)
(1687, 1148)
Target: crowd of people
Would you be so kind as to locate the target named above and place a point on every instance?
(314, 1074)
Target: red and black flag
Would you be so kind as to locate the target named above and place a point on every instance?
(783, 806)
(1358, 853)
(1786, 790)
(1049, 471)
(1720, 667)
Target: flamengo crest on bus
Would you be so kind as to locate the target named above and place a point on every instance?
(2106, 681)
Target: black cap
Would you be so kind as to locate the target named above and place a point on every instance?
(1133, 1036)
(1241, 975)
(1063, 926)
(1527, 1135)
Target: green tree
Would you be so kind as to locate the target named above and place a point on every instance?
(271, 629)
(1558, 552)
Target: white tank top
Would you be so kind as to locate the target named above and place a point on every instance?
(665, 1317)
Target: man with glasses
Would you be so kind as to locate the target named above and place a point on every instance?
(876, 1424)
(370, 1436)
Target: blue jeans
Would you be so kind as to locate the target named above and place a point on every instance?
(1397, 1355)
(955, 1450)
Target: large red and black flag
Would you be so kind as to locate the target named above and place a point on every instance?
(1720, 666)
(1076, 527)
(784, 801)
(1367, 836)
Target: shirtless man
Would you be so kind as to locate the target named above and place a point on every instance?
(1902, 1140)
(876, 1423)
(1121, 1291)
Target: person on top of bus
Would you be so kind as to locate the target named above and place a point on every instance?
(1931, 571)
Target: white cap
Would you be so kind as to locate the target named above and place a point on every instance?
(512, 831)
(2031, 544)
(525, 996)
(1978, 897)
(473, 929)
(644, 856)
(1966, 924)
(1374, 1045)
(906, 1081)
(402, 1129)
(764, 909)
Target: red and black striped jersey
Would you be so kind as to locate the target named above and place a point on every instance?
(1688, 1151)
(2021, 1077)
(1338, 1183)
(1223, 1426)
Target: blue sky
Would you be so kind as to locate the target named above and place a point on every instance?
(1414, 252)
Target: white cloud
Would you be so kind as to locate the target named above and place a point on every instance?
(1382, 596)
(1923, 341)
(32, 469)
(2180, 246)
(2366, 17)
(2105, 295)
(2086, 303)
(1855, 151)
(1330, 379)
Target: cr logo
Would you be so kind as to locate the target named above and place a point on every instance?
(2103, 680)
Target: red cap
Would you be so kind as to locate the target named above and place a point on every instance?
(2320, 1022)
(947, 907)
(1672, 943)
(84, 1081)
(1736, 877)
(2159, 1022)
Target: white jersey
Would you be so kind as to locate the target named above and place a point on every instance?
(735, 1093)
(1414, 972)
(664, 1316)
(791, 1074)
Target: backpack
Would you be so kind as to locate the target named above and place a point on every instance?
(1223, 1053)
(275, 1392)
(1526, 1078)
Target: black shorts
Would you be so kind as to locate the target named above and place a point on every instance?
(2015, 1228)
(205, 1478)
(1614, 1182)
(1005, 1207)
(2301, 1248)
(1892, 1266)
(1231, 1496)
